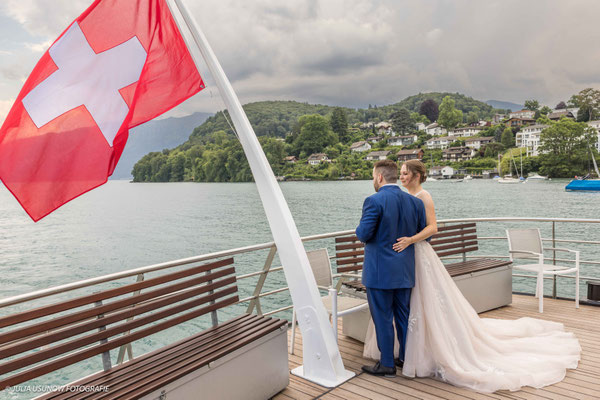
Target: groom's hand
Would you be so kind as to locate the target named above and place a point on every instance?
(402, 243)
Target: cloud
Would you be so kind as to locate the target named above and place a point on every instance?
(39, 47)
(5, 106)
(356, 52)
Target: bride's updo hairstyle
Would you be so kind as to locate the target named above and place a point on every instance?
(417, 168)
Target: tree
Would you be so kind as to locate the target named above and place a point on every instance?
(430, 109)
(507, 139)
(449, 116)
(565, 146)
(561, 106)
(401, 121)
(492, 149)
(472, 117)
(532, 105)
(315, 135)
(545, 110)
(588, 101)
(339, 124)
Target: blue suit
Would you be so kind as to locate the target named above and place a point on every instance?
(389, 276)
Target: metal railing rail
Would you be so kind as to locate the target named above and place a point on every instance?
(254, 299)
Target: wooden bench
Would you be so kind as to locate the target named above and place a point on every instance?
(486, 283)
(245, 357)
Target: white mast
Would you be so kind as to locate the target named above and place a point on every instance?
(321, 356)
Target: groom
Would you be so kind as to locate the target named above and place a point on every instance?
(389, 276)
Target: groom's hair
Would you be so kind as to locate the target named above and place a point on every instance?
(388, 169)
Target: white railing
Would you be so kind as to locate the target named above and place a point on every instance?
(254, 300)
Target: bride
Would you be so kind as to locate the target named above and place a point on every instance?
(447, 339)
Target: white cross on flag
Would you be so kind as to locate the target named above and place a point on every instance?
(120, 64)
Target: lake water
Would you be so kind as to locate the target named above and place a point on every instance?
(122, 226)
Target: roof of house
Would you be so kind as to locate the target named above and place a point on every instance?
(358, 144)
(466, 128)
(409, 151)
(379, 153)
(479, 139)
(317, 156)
(558, 114)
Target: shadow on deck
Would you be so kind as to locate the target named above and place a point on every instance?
(582, 383)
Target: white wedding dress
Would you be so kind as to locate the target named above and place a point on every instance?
(447, 339)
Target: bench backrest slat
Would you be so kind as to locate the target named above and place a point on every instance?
(156, 310)
(450, 239)
(107, 294)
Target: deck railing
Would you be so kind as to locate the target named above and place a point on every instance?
(254, 300)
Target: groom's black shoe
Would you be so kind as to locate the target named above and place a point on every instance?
(399, 363)
(380, 370)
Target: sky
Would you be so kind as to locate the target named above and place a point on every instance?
(356, 52)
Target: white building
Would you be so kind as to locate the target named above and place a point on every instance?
(361, 146)
(467, 131)
(522, 114)
(479, 142)
(420, 126)
(596, 126)
(440, 142)
(317, 158)
(435, 130)
(444, 172)
(529, 137)
(402, 140)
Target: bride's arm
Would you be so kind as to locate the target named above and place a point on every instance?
(429, 230)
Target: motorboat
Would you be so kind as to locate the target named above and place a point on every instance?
(509, 179)
(536, 177)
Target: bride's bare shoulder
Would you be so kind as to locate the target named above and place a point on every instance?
(425, 197)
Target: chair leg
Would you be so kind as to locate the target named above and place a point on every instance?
(540, 291)
(293, 331)
(577, 288)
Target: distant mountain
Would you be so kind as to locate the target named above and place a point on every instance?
(155, 136)
(505, 105)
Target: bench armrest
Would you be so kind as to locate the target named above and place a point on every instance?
(561, 249)
(526, 252)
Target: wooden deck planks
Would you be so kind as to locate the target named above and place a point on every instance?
(582, 383)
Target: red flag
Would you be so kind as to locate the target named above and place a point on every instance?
(120, 64)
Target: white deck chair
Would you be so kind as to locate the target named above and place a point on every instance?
(526, 244)
(336, 305)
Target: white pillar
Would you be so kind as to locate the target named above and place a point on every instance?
(321, 356)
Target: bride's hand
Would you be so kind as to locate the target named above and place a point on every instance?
(402, 243)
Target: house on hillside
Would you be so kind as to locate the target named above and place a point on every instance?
(420, 126)
(375, 139)
(317, 158)
(596, 126)
(435, 130)
(412, 154)
(555, 116)
(530, 138)
(406, 140)
(440, 142)
(361, 146)
(291, 159)
(523, 114)
(479, 142)
(467, 131)
(519, 122)
(461, 153)
(377, 155)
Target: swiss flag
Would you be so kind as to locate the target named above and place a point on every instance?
(120, 64)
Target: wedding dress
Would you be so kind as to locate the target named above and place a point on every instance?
(447, 339)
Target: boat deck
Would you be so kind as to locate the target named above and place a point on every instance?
(582, 383)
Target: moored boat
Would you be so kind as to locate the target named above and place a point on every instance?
(583, 185)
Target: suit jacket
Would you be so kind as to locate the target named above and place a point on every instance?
(387, 215)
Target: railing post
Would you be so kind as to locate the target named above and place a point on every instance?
(106, 364)
(255, 302)
(213, 314)
(127, 347)
(554, 258)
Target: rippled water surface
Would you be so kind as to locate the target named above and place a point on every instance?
(122, 225)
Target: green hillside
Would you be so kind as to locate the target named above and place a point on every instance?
(213, 154)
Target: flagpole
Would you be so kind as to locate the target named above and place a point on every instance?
(321, 356)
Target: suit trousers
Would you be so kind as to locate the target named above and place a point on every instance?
(387, 305)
